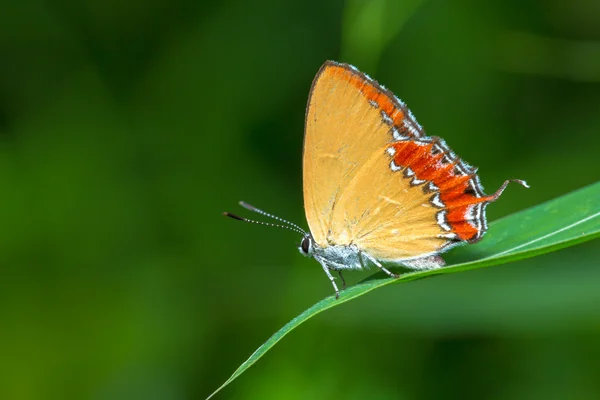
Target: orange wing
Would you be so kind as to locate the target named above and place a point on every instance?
(372, 178)
(342, 131)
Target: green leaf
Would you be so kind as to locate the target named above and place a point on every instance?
(562, 222)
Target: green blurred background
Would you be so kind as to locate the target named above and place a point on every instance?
(127, 127)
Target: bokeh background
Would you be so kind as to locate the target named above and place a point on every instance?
(127, 127)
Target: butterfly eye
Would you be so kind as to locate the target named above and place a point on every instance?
(305, 246)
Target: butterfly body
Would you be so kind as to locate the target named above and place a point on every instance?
(336, 256)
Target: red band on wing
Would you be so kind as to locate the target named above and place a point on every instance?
(429, 160)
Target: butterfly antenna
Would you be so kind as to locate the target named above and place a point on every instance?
(291, 228)
(266, 214)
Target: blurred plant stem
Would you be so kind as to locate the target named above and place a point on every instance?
(369, 26)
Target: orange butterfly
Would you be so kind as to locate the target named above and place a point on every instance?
(376, 189)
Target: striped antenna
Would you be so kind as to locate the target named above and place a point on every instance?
(291, 228)
(266, 214)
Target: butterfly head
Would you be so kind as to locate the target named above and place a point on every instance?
(306, 247)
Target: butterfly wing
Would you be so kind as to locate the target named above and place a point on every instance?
(373, 179)
(342, 131)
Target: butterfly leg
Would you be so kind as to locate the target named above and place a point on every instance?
(331, 278)
(378, 264)
(342, 279)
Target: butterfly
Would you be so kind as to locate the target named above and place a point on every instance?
(377, 189)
